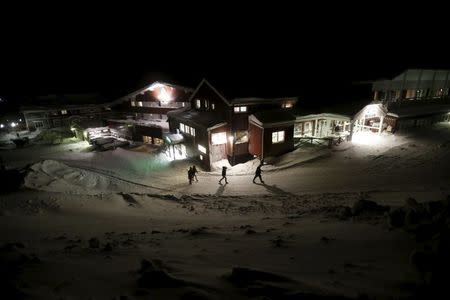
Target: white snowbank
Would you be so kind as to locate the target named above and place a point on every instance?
(290, 159)
(55, 176)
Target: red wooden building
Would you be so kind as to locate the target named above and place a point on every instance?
(217, 128)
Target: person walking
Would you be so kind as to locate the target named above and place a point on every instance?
(190, 175)
(224, 175)
(194, 173)
(258, 174)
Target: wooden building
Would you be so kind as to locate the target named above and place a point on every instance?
(271, 133)
(217, 128)
(413, 98)
(144, 112)
(62, 110)
(322, 125)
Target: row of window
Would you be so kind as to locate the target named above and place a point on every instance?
(240, 109)
(199, 104)
(157, 104)
(221, 138)
(206, 104)
(402, 94)
(277, 137)
(187, 129)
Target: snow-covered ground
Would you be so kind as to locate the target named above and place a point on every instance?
(139, 206)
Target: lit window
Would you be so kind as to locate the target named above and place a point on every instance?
(183, 104)
(213, 106)
(192, 131)
(64, 112)
(198, 103)
(133, 103)
(201, 157)
(241, 137)
(206, 104)
(277, 137)
(38, 124)
(201, 148)
(219, 138)
(241, 109)
(140, 103)
(181, 127)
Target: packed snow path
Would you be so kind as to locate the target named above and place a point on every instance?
(397, 163)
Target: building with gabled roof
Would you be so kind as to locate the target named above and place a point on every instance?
(416, 97)
(143, 113)
(216, 127)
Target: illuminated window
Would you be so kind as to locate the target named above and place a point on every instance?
(241, 137)
(213, 106)
(238, 109)
(38, 124)
(198, 103)
(277, 137)
(133, 103)
(140, 103)
(201, 148)
(183, 104)
(410, 93)
(158, 141)
(147, 139)
(64, 112)
(206, 104)
(187, 129)
(201, 157)
(219, 138)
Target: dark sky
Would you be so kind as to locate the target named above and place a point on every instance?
(283, 51)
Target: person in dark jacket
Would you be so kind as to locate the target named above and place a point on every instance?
(194, 173)
(224, 175)
(258, 174)
(190, 175)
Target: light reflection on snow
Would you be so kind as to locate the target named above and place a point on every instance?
(366, 138)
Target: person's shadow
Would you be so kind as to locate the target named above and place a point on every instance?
(275, 190)
(220, 190)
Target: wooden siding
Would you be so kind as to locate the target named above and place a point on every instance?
(278, 148)
(139, 131)
(218, 152)
(206, 93)
(255, 134)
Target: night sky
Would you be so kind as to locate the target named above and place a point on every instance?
(277, 52)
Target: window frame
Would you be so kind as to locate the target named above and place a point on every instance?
(276, 135)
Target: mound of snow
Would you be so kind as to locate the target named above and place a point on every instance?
(52, 175)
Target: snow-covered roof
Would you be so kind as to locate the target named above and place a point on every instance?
(197, 118)
(322, 116)
(243, 101)
(375, 108)
(149, 87)
(415, 79)
(272, 117)
(423, 74)
(255, 100)
(174, 138)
